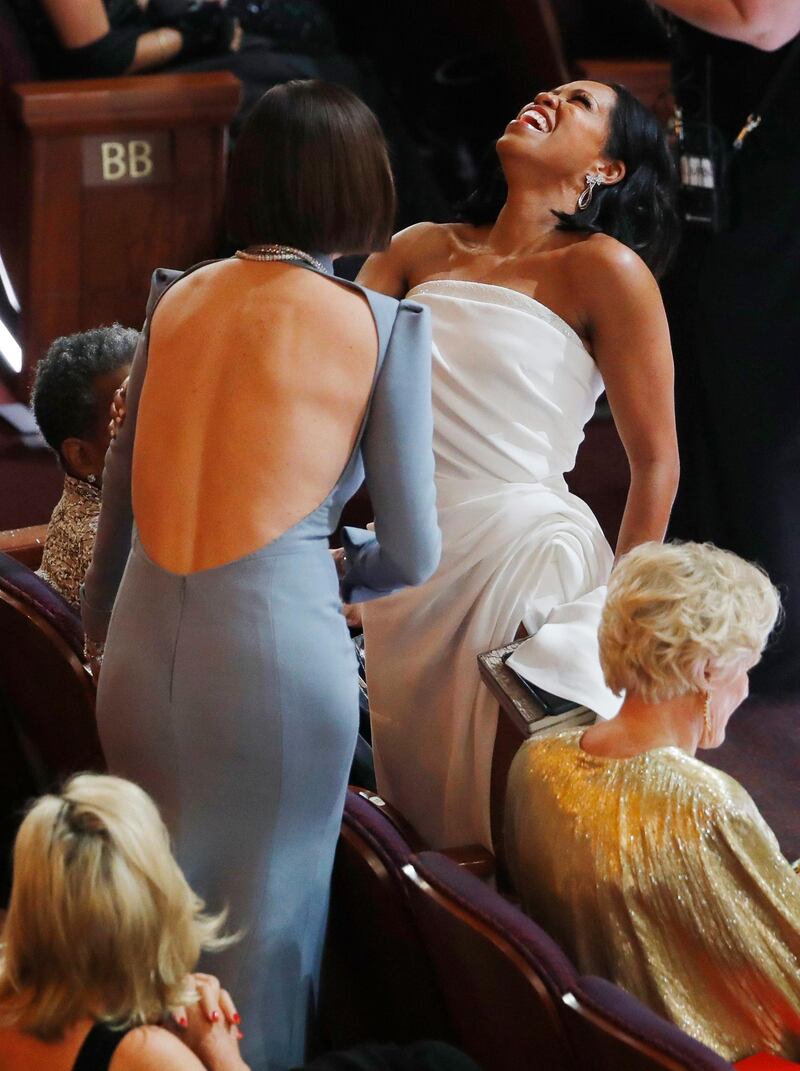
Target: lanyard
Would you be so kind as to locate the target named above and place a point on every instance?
(776, 83)
(774, 86)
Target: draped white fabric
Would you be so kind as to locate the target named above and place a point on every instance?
(512, 389)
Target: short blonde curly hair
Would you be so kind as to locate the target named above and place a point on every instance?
(680, 615)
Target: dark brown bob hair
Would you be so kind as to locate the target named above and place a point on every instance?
(311, 170)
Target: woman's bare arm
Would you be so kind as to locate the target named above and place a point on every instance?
(765, 24)
(77, 22)
(630, 343)
(82, 22)
(155, 48)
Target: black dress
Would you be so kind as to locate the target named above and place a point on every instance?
(733, 301)
(98, 1049)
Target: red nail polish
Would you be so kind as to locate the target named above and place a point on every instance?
(214, 1016)
(183, 1021)
(237, 1018)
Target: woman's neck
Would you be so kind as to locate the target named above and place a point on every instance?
(526, 223)
(642, 726)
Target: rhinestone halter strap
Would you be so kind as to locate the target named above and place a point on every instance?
(278, 252)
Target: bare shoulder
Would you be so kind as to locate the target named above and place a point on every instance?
(611, 266)
(419, 241)
(152, 1048)
(410, 252)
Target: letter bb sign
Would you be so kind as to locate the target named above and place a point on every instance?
(129, 159)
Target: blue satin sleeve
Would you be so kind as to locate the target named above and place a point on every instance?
(115, 525)
(397, 451)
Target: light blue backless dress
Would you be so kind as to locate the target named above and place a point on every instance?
(231, 694)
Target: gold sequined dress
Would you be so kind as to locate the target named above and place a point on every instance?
(659, 873)
(70, 539)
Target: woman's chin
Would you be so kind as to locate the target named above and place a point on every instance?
(516, 145)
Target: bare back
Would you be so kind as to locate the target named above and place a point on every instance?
(257, 382)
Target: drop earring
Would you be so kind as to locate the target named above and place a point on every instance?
(585, 198)
(707, 714)
(91, 478)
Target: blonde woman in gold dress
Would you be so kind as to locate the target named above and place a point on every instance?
(651, 868)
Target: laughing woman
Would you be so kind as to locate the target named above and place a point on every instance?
(541, 299)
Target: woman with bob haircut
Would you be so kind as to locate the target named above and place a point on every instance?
(651, 868)
(262, 393)
(543, 297)
(101, 934)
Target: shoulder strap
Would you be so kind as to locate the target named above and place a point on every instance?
(169, 277)
(98, 1049)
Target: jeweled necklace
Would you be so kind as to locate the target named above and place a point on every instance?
(278, 252)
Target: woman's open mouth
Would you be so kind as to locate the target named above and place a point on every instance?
(537, 118)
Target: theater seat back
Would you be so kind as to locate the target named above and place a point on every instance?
(502, 976)
(46, 693)
(615, 1032)
(378, 982)
(47, 726)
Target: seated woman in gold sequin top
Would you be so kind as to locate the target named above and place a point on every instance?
(651, 868)
(75, 383)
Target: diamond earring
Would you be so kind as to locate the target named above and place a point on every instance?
(585, 198)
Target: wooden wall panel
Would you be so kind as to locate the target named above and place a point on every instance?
(113, 179)
(54, 248)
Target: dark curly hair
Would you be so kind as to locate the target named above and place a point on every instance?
(64, 402)
(638, 211)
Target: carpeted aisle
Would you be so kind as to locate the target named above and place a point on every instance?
(762, 751)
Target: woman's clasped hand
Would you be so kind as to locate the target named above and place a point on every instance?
(211, 1025)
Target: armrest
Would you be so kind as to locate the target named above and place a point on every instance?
(158, 100)
(401, 824)
(24, 544)
(474, 858)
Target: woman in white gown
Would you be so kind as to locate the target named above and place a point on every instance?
(544, 298)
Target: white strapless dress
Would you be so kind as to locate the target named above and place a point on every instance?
(513, 387)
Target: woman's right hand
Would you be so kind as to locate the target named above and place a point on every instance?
(210, 1027)
(119, 408)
